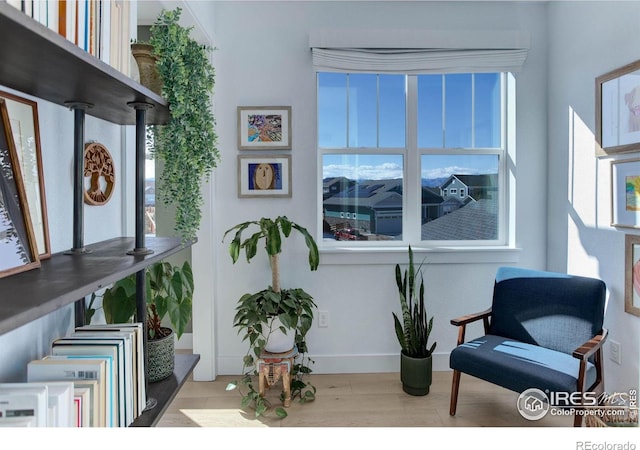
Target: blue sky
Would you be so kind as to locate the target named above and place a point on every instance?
(375, 117)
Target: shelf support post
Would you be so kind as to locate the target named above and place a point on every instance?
(79, 109)
(141, 133)
(140, 249)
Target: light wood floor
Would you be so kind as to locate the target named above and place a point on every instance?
(356, 400)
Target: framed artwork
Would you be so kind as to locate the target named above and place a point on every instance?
(264, 176)
(23, 117)
(632, 275)
(18, 251)
(625, 192)
(264, 127)
(618, 110)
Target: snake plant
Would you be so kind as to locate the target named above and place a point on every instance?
(414, 330)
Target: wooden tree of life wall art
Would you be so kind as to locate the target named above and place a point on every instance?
(100, 171)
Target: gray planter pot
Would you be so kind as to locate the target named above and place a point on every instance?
(161, 357)
(415, 374)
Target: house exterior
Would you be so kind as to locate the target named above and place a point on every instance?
(373, 206)
(335, 185)
(475, 186)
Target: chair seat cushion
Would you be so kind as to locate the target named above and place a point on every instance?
(519, 366)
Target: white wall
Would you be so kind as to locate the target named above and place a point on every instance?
(589, 39)
(263, 58)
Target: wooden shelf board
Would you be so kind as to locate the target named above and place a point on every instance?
(40, 62)
(164, 391)
(63, 279)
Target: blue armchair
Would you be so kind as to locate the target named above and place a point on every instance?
(543, 330)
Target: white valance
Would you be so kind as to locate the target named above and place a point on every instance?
(405, 51)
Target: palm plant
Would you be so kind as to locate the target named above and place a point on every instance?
(414, 330)
(256, 313)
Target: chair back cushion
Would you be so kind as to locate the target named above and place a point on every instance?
(553, 310)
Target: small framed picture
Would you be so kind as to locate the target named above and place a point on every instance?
(625, 193)
(23, 118)
(632, 275)
(18, 251)
(618, 110)
(264, 176)
(264, 127)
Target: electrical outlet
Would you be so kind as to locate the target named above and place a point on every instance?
(614, 347)
(323, 319)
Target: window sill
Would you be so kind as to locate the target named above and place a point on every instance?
(432, 255)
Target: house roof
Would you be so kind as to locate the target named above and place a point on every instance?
(334, 180)
(474, 180)
(475, 221)
(430, 196)
(371, 193)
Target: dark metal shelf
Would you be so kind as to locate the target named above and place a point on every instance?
(40, 62)
(164, 391)
(63, 279)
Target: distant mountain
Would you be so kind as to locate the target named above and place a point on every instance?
(433, 182)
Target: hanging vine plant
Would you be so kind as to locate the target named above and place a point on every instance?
(187, 143)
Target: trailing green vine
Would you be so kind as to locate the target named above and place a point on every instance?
(187, 144)
(300, 387)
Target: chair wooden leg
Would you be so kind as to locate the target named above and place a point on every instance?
(455, 385)
(577, 420)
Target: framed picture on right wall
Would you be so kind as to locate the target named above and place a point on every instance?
(625, 193)
(632, 275)
(618, 110)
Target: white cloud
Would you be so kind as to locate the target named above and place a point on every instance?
(385, 171)
(444, 172)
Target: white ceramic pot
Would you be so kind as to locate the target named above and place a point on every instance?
(277, 341)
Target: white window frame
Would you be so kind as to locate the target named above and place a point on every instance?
(502, 250)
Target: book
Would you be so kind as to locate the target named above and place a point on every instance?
(72, 346)
(128, 370)
(88, 388)
(82, 403)
(51, 369)
(23, 406)
(59, 401)
(104, 38)
(60, 406)
(52, 14)
(138, 357)
(112, 412)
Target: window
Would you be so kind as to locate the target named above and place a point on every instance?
(414, 157)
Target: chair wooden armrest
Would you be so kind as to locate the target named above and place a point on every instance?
(461, 322)
(587, 349)
(471, 318)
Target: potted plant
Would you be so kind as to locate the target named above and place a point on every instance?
(273, 311)
(146, 61)
(169, 292)
(413, 332)
(186, 145)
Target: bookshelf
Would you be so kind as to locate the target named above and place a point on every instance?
(63, 279)
(76, 79)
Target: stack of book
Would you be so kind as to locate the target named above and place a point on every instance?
(100, 27)
(94, 377)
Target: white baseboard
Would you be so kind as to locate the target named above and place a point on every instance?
(327, 364)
